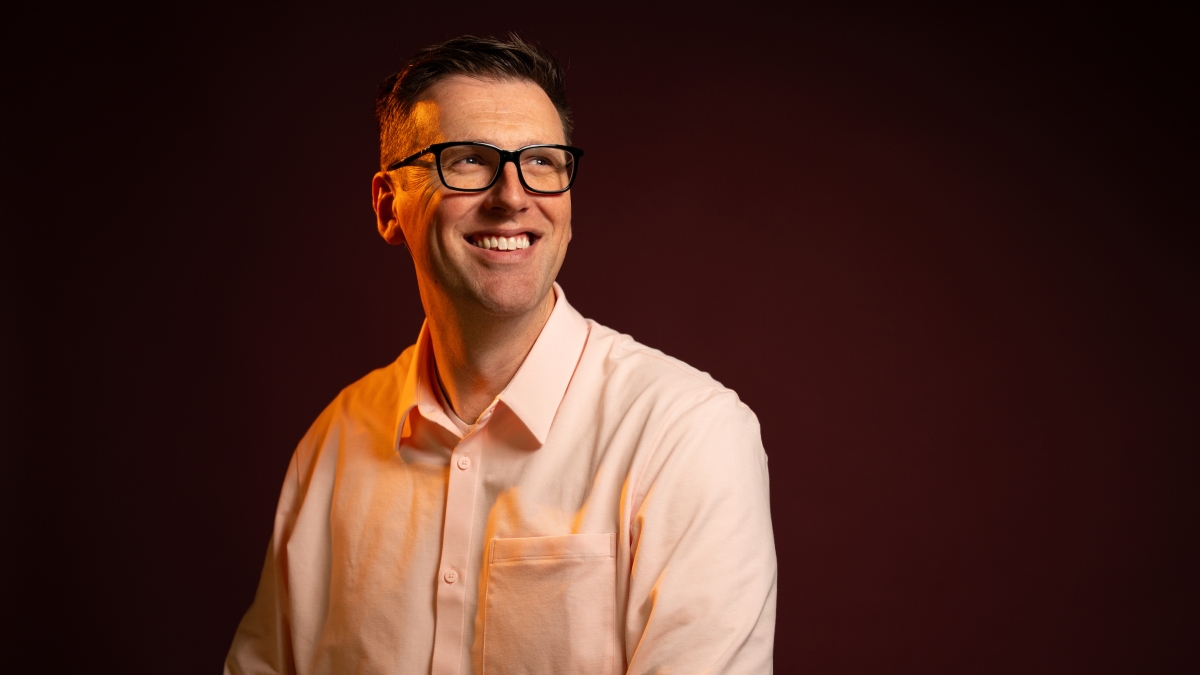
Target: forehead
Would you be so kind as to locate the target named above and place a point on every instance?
(507, 113)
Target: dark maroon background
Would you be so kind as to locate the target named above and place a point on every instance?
(949, 260)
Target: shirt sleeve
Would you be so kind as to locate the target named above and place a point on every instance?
(262, 644)
(703, 581)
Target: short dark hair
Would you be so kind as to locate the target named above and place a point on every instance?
(467, 55)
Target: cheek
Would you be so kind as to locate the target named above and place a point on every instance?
(448, 213)
(559, 213)
(426, 202)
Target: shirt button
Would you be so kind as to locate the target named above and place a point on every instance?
(450, 576)
(464, 463)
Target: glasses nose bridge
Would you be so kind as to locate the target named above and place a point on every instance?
(507, 156)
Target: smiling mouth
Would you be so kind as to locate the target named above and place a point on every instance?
(496, 243)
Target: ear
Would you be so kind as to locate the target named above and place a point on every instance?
(383, 200)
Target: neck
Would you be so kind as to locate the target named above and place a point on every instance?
(478, 353)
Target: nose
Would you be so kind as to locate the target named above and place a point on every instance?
(507, 195)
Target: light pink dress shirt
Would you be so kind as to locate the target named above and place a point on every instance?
(607, 513)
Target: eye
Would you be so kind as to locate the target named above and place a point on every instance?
(538, 161)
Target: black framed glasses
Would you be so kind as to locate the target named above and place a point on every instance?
(468, 166)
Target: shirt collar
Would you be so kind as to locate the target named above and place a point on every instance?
(534, 393)
(541, 382)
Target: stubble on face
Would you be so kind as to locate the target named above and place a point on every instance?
(443, 227)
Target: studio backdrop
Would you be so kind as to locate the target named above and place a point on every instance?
(948, 260)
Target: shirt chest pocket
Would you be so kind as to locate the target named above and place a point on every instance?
(550, 605)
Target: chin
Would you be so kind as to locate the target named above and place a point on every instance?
(511, 297)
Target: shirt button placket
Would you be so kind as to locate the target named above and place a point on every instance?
(449, 634)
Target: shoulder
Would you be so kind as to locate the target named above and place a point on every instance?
(696, 434)
(377, 390)
(635, 367)
(369, 406)
(667, 392)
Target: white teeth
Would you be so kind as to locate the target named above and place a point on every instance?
(503, 243)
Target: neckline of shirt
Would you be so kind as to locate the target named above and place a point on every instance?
(533, 395)
(443, 400)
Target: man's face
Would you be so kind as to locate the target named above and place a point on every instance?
(443, 227)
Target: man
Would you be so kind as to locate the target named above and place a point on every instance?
(523, 490)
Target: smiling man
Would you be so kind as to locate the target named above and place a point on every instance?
(523, 490)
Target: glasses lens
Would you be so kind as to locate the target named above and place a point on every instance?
(469, 167)
(547, 169)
